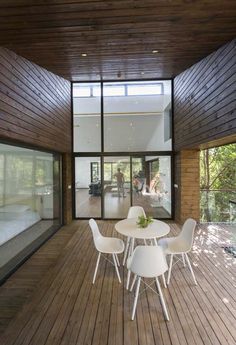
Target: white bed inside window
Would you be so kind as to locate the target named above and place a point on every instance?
(15, 219)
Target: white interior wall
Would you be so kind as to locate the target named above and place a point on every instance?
(87, 134)
(120, 104)
(131, 123)
(82, 171)
(165, 175)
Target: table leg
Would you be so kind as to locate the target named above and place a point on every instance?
(132, 245)
(126, 250)
(131, 249)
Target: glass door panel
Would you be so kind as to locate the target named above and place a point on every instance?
(116, 172)
(88, 187)
(151, 185)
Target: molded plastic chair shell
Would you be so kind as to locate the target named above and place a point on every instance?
(147, 261)
(135, 212)
(106, 245)
(103, 244)
(181, 244)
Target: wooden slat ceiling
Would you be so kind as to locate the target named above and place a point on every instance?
(118, 36)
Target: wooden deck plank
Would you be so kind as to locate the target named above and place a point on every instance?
(64, 308)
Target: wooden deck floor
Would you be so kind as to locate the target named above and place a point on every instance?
(64, 308)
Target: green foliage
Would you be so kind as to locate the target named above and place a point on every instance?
(143, 222)
(217, 182)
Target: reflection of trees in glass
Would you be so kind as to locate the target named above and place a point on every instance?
(137, 166)
(217, 182)
(110, 169)
(18, 173)
(95, 171)
(154, 168)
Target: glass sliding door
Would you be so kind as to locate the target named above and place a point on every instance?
(151, 185)
(116, 172)
(88, 187)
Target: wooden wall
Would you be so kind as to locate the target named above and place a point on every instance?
(204, 115)
(67, 188)
(187, 179)
(205, 98)
(35, 105)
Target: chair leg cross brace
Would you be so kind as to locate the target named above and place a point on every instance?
(149, 286)
(184, 256)
(114, 263)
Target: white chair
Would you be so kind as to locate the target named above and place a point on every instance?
(134, 212)
(180, 245)
(147, 262)
(106, 245)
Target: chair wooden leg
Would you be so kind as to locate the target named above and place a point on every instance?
(96, 268)
(170, 268)
(116, 267)
(190, 267)
(133, 282)
(183, 258)
(162, 300)
(126, 250)
(136, 298)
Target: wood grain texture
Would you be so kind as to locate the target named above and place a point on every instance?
(64, 308)
(205, 99)
(117, 36)
(20, 286)
(34, 104)
(187, 195)
(67, 187)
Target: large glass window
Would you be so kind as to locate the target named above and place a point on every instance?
(127, 125)
(30, 199)
(136, 120)
(87, 117)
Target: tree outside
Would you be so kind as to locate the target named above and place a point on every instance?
(218, 184)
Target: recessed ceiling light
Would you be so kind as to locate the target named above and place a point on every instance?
(142, 73)
(84, 54)
(155, 51)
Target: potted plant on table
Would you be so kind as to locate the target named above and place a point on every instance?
(143, 221)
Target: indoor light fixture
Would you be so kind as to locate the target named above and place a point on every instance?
(155, 51)
(84, 54)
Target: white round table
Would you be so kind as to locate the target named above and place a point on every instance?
(129, 228)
